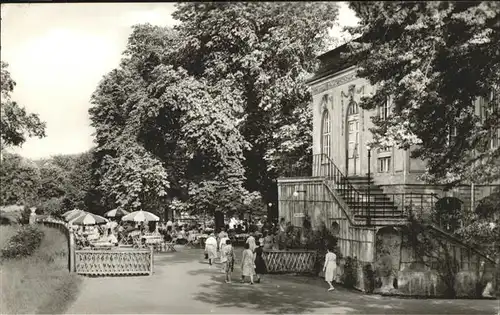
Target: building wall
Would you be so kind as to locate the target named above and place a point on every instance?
(320, 205)
(333, 94)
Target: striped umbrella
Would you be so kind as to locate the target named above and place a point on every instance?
(140, 216)
(73, 214)
(89, 219)
(116, 213)
(69, 212)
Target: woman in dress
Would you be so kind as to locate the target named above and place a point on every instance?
(330, 268)
(247, 264)
(268, 241)
(260, 264)
(251, 242)
(211, 248)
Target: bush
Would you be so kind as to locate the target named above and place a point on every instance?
(23, 243)
(350, 272)
(369, 276)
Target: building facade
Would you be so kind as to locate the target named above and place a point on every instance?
(364, 195)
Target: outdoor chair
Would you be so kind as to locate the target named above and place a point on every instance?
(169, 246)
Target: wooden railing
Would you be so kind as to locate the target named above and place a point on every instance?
(114, 262)
(293, 261)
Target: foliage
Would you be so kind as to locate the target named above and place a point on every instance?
(15, 122)
(53, 185)
(23, 243)
(194, 108)
(432, 60)
(350, 272)
(369, 277)
(20, 180)
(52, 206)
(433, 251)
(448, 213)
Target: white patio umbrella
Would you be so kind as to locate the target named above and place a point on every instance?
(140, 216)
(89, 219)
(116, 213)
(69, 212)
(73, 214)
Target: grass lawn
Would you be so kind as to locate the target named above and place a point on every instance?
(41, 283)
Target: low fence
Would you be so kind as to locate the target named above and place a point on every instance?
(290, 261)
(113, 262)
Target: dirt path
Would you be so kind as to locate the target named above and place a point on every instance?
(183, 284)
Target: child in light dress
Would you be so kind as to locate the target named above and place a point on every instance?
(330, 268)
(227, 259)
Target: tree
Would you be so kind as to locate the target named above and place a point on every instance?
(264, 51)
(15, 122)
(20, 180)
(432, 60)
(201, 103)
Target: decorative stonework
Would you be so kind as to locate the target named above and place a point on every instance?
(324, 102)
(333, 83)
(342, 114)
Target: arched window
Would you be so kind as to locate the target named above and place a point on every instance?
(325, 133)
(353, 108)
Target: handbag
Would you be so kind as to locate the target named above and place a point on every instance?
(206, 255)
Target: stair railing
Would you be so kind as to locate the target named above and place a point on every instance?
(393, 204)
(323, 166)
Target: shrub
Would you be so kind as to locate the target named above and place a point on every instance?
(369, 276)
(23, 243)
(350, 272)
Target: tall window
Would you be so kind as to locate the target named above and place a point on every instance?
(384, 164)
(385, 109)
(325, 133)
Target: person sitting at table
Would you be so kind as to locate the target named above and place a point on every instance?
(94, 235)
(167, 237)
(181, 237)
(111, 238)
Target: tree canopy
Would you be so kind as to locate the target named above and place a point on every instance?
(433, 60)
(15, 122)
(211, 112)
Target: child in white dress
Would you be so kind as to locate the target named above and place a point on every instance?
(330, 268)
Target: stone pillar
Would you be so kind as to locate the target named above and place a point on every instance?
(32, 216)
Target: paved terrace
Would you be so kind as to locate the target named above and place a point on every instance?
(182, 283)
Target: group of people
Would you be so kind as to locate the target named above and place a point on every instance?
(252, 262)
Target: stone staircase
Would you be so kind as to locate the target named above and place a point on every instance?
(366, 201)
(381, 206)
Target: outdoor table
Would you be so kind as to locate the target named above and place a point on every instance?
(106, 245)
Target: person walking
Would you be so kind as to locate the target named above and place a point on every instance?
(228, 259)
(222, 245)
(251, 242)
(330, 268)
(211, 248)
(247, 264)
(260, 264)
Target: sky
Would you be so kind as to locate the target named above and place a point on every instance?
(58, 53)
